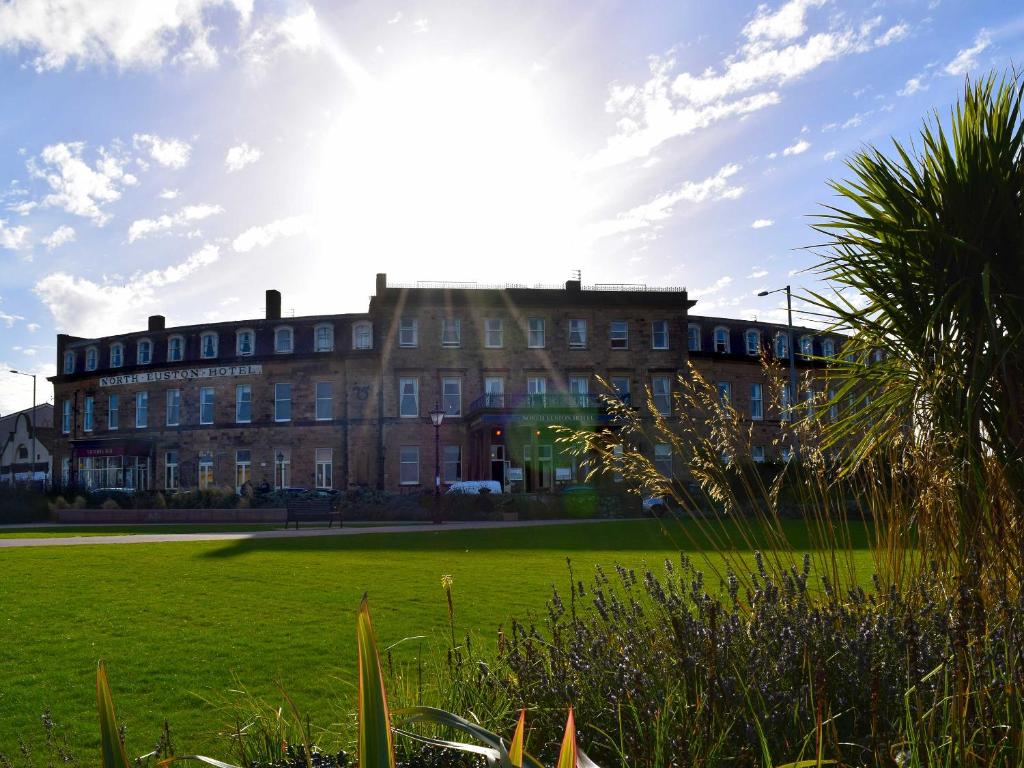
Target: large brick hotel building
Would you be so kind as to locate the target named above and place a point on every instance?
(337, 401)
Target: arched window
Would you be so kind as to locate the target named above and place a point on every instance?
(693, 338)
(721, 339)
(323, 338)
(245, 342)
(806, 346)
(69, 362)
(208, 344)
(283, 339)
(781, 344)
(753, 341)
(91, 358)
(828, 348)
(116, 354)
(362, 335)
(144, 352)
(175, 349)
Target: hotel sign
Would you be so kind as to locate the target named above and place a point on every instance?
(182, 374)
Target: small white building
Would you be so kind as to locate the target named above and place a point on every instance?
(20, 433)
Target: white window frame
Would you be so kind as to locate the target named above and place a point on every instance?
(456, 383)
(141, 409)
(453, 325)
(316, 337)
(291, 340)
(181, 348)
(171, 477)
(692, 334)
(175, 396)
(414, 393)
(537, 389)
(243, 468)
(213, 405)
(113, 410)
(317, 400)
(120, 354)
(654, 334)
(357, 329)
(89, 414)
(138, 352)
(578, 326)
(756, 401)
(92, 358)
(757, 454)
(752, 335)
(408, 456)
(662, 399)
(238, 342)
(494, 397)
(615, 340)
(447, 477)
(65, 418)
(535, 326)
(279, 400)
(780, 344)
(241, 389)
(69, 362)
(494, 325)
(205, 478)
(203, 337)
(408, 332)
(579, 388)
(324, 472)
(726, 340)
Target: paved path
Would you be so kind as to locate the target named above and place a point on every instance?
(158, 538)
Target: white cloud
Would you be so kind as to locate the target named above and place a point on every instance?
(298, 32)
(966, 59)
(718, 285)
(787, 23)
(893, 35)
(60, 236)
(797, 148)
(77, 187)
(168, 194)
(913, 85)
(830, 154)
(239, 157)
(22, 209)
(88, 308)
(13, 238)
(421, 25)
(396, 18)
(145, 34)
(171, 153)
(717, 187)
(32, 327)
(762, 223)
(757, 274)
(262, 236)
(145, 227)
(9, 320)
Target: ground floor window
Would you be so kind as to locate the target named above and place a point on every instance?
(65, 472)
(409, 465)
(324, 468)
(205, 471)
(171, 471)
(282, 468)
(757, 454)
(243, 469)
(113, 472)
(451, 467)
(663, 459)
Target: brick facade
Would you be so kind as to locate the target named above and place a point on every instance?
(539, 350)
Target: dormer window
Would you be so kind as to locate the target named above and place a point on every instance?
(244, 345)
(323, 338)
(208, 344)
(828, 348)
(91, 358)
(144, 352)
(781, 345)
(175, 349)
(753, 341)
(721, 339)
(116, 355)
(693, 338)
(69, 362)
(283, 341)
(806, 346)
(362, 336)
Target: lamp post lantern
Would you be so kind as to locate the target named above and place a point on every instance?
(436, 417)
(32, 463)
(792, 354)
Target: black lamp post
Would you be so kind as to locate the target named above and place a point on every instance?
(280, 466)
(792, 353)
(436, 417)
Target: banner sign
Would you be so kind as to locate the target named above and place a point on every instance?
(181, 374)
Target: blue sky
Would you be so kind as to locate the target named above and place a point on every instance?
(182, 157)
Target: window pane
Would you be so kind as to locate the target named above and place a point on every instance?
(756, 402)
(407, 332)
(141, 409)
(283, 340)
(659, 334)
(577, 333)
(693, 338)
(282, 402)
(409, 400)
(495, 330)
(452, 463)
(619, 334)
(206, 405)
(324, 400)
(243, 403)
(451, 332)
(661, 392)
(244, 343)
(536, 332)
(663, 459)
(409, 464)
(451, 396)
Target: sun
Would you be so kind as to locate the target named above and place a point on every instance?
(450, 170)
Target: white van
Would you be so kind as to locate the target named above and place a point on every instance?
(473, 487)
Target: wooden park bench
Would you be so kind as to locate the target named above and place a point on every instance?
(312, 510)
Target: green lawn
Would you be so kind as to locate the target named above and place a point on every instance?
(183, 620)
(100, 529)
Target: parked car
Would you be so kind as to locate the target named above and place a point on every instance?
(473, 487)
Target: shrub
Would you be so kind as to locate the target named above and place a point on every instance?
(110, 504)
(19, 505)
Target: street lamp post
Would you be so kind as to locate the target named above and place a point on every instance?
(32, 463)
(792, 354)
(436, 417)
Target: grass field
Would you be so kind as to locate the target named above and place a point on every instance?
(181, 622)
(101, 529)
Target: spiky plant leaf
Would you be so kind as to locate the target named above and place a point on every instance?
(567, 754)
(112, 752)
(515, 749)
(376, 743)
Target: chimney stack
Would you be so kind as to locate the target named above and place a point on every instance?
(157, 322)
(382, 282)
(273, 305)
(572, 285)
